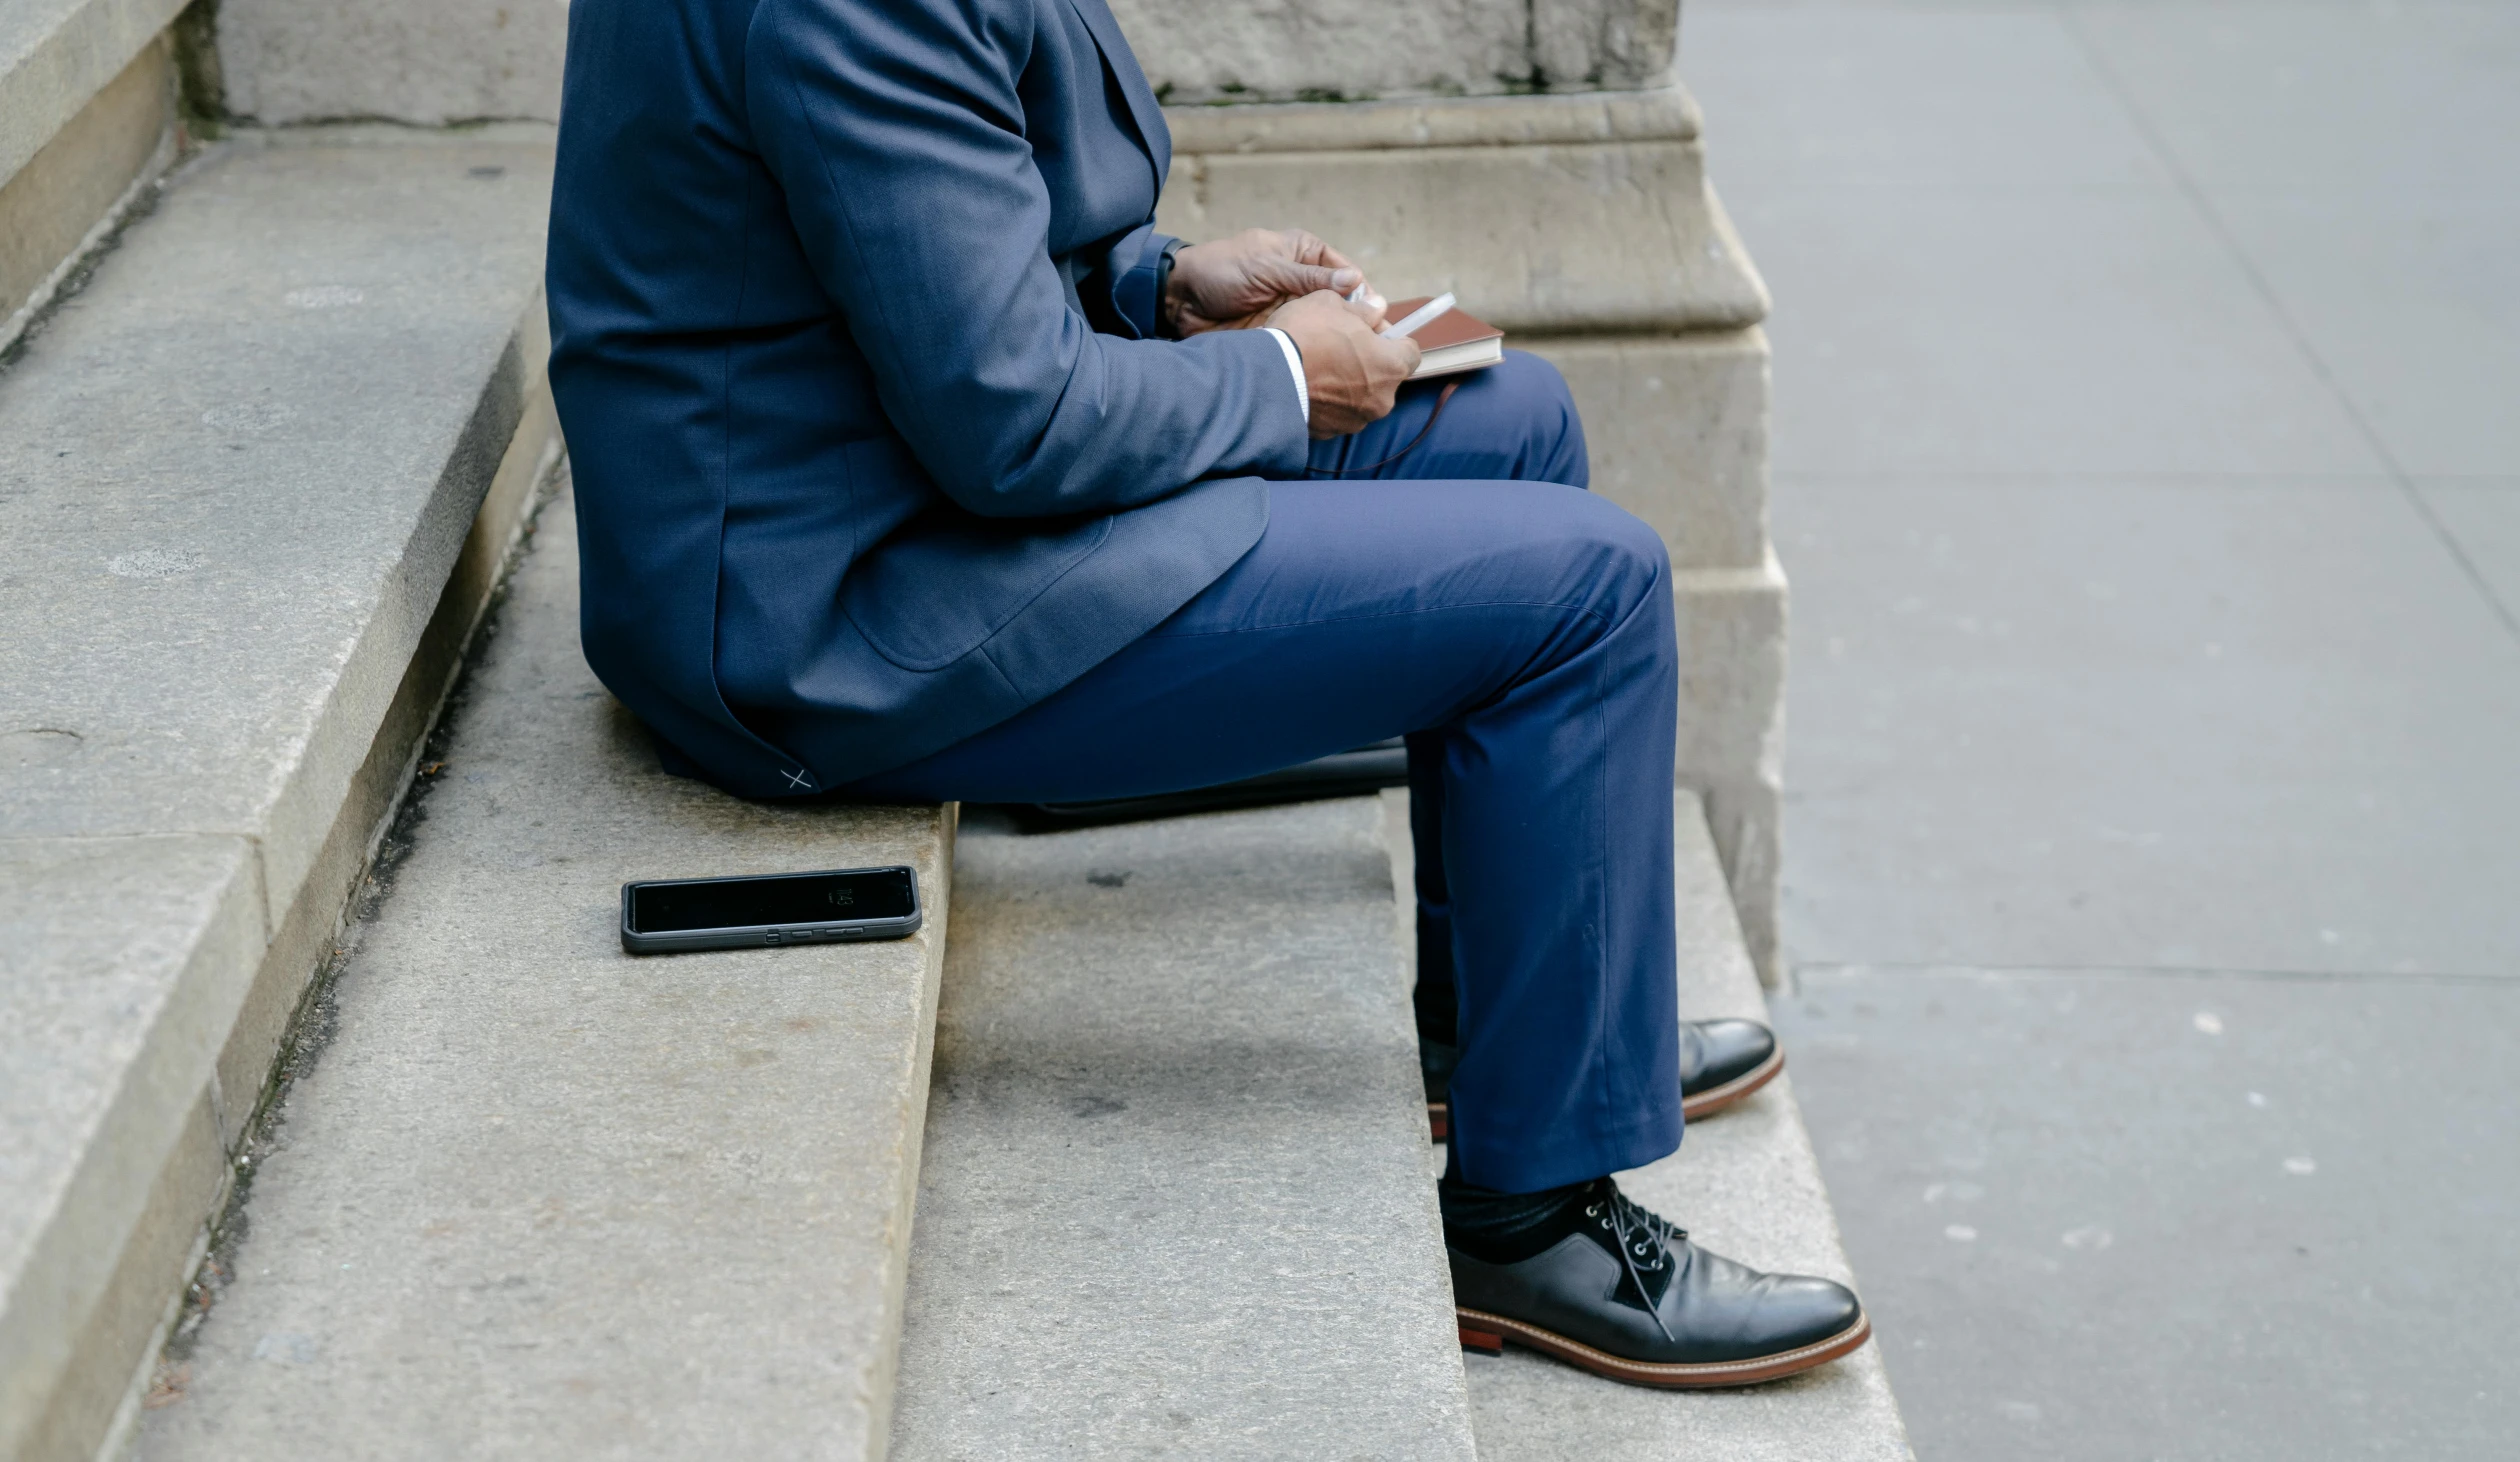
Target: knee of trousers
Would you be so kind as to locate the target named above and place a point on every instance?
(1531, 398)
(1621, 564)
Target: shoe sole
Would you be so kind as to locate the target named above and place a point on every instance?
(1705, 1104)
(1482, 1331)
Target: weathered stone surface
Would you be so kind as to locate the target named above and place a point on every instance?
(303, 937)
(116, 958)
(1570, 233)
(56, 55)
(1278, 51)
(447, 61)
(537, 1198)
(202, 600)
(300, 60)
(243, 482)
(1662, 114)
(1175, 1200)
(1732, 729)
(1745, 1184)
(76, 181)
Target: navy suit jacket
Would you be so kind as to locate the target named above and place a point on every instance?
(853, 309)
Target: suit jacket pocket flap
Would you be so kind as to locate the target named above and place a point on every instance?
(938, 588)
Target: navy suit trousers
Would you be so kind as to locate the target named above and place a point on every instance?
(1472, 596)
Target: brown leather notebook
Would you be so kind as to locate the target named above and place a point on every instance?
(1452, 342)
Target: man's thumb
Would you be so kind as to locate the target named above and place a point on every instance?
(1300, 279)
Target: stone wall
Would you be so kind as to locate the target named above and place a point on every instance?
(458, 60)
(1355, 50)
(429, 63)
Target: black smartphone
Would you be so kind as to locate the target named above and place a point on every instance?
(663, 916)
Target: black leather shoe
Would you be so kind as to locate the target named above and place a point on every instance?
(1721, 1061)
(1627, 1296)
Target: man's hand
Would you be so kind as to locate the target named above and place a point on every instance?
(1350, 372)
(1232, 284)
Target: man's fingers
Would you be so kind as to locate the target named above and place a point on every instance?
(1306, 247)
(1403, 354)
(1350, 372)
(1344, 275)
(1312, 250)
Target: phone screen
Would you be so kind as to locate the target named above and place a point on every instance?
(791, 898)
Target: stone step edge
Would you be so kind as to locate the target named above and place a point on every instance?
(533, 630)
(293, 971)
(1004, 1080)
(55, 58)
(90, 179)
(1654, 114)
(163, 1244)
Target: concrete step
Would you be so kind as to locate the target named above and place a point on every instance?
(1176, 1201)
(257, 477)
(532, 1197)
(1745, 1184)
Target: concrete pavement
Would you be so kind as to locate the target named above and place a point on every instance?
(2145, 467)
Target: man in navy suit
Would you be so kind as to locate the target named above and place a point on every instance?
(913, 463)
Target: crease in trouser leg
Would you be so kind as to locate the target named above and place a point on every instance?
(1556, 840)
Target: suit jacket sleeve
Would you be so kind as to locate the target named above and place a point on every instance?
(897, 133)
(1137, 274)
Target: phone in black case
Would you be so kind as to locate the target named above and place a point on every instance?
(664, 916)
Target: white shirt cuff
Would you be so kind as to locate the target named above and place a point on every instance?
(1295, 368)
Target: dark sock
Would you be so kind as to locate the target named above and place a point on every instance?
(1437, 1004)
(1507, 1228)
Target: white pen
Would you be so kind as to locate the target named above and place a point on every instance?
(1424, 315)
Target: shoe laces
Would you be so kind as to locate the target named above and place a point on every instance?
(1643, 1238)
